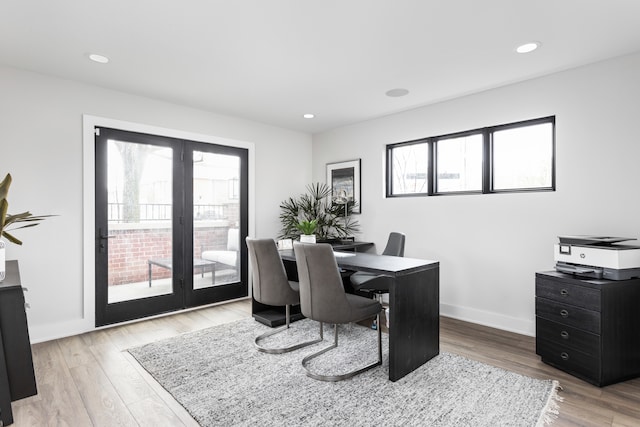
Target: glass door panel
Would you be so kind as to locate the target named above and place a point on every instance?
(140, 205)
(216, 219)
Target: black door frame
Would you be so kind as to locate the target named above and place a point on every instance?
(197, 297)
(183, 295)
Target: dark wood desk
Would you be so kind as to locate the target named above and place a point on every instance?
(414, 302)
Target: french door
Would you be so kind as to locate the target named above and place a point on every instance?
(171, 219)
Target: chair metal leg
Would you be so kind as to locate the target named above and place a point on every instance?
(334, 378)
(284, 328)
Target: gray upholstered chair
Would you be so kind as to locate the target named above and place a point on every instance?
(271, 287)
(363, 281)
(323, 299)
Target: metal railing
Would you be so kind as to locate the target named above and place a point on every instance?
(161, 212)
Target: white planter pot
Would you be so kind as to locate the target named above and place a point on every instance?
(308, 238)
(2, 261)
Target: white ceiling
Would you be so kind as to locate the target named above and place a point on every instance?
(274, 60)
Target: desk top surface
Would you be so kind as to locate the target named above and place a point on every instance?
(381, 264)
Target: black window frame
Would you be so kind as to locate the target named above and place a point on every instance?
(487, 160)
(435, 175)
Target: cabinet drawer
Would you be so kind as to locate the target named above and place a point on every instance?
(573, 338)
(568, 359)
(569, 315)
(561, 291)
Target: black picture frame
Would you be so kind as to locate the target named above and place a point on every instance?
(343, 178)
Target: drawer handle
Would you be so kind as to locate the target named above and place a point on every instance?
(564, 356)
(564, 292)
(564, 313)
(564, 335)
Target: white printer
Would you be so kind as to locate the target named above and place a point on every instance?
(597, 257)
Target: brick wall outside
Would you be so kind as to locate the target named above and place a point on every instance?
(130, 250)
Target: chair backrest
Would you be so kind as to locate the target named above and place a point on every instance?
(395, 244)
(270, 283)
(322, 296)
(233, 239)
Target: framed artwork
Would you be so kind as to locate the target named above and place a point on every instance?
(344, 180)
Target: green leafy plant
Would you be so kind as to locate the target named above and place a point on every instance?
(307, 227)
(26, 219)
(332, 222)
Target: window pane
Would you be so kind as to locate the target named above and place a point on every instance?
(523, 157)
(459, 164)
(409, 169)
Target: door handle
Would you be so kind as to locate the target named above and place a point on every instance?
(102, 237)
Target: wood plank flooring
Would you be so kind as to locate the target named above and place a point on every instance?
(88, 380)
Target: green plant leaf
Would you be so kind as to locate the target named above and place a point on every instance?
(4, 187)
(307, 227)
(27, 219)
(4, 205)
(10, 238)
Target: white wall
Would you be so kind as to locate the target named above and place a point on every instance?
(490, 246)
(41, 146)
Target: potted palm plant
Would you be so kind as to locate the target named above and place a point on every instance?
(307, 228)
(334, 221)
(21, 220)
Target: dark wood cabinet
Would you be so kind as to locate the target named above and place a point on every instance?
(589, 328)
(17, 378)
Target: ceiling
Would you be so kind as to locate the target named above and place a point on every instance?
(272, 61)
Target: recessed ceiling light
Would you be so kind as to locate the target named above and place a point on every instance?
(98, 58)
(394, 93)
(528, 47)
(308, 116)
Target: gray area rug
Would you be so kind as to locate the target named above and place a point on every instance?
(222, 380)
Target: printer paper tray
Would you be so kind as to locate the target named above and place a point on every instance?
(597, 272)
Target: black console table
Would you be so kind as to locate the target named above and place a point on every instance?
(589, 328)
(17, 378)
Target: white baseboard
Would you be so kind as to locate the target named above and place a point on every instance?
(491, 319)
(53, 331)
(42, 333)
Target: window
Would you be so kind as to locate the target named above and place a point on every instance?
(459, 164)
(506, 158)
(523, 157)
(410, 165)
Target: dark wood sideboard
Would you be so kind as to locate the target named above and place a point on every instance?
(17, 378)
(589, 328)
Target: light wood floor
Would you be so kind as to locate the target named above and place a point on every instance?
(88, 380)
